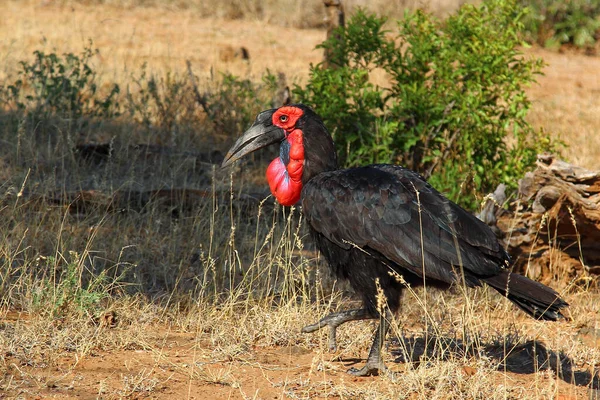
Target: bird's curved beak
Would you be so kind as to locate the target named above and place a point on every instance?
(261, 134)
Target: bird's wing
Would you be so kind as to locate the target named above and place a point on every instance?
(395, 212)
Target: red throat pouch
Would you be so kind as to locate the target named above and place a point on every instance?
(284, 180)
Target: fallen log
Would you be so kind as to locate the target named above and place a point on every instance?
(175, 200)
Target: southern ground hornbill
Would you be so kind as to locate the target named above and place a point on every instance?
(381, 226)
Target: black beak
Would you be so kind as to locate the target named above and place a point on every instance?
(261, 134)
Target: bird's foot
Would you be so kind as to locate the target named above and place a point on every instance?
(332, 341)
(336, 319)
(370, 369)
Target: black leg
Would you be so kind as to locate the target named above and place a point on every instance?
(375, 363)
(336, 319)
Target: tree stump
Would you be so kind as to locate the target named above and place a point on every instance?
(552, 228)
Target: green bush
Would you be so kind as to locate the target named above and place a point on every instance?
(235, 102)
(222, 107)
(60, 92)
(71, 289)
(454, 106)
(65, 86)
(166, 103)
(552, 23)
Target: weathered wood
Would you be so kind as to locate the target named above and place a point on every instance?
(176, 200)
(552, 228)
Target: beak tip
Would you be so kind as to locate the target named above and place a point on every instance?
(228, 160)
(225, 164)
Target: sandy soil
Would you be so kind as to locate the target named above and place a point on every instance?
(174, 364)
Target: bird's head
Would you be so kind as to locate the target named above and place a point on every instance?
(306, 148)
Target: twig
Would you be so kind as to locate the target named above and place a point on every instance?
(201, 99)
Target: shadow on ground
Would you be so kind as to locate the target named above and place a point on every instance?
(520, 358)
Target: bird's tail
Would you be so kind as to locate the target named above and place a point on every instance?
(537, 300)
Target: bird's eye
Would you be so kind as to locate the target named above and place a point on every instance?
(283, 118)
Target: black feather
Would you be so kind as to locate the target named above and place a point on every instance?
(370, 221)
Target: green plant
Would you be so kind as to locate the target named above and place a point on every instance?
(454, 104)
(552, 23)
(166, 103)
(68, 289)
(234, 103)
(174, 102)
(61, 85)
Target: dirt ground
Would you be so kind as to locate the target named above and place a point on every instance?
(173, 363)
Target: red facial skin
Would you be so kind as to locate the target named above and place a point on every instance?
(285, 181)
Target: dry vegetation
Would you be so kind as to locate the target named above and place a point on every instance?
(139, 270)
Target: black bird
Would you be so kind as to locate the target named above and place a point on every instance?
(381, 226)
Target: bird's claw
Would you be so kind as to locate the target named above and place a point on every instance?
(370, 369)
(311, 328)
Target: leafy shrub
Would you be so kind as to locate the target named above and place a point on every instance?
(65, 86)
(235, 102)
(61, 85)
(552, 23)
(71, 289)
(166, 103)
(454, 106)
(175, 102)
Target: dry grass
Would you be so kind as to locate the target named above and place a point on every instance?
(129, 37)
(306, 14)
(202, 298)
(565, 104)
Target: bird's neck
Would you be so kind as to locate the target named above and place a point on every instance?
(320, 150)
